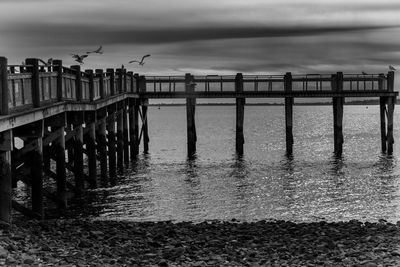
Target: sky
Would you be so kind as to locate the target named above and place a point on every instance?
(208, 36)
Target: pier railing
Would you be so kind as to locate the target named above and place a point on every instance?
(33, 85)
(268, 83)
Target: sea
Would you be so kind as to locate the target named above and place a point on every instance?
(263, 183)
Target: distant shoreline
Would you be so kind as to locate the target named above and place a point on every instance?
(368, 102)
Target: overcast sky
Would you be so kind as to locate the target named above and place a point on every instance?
(207, 37)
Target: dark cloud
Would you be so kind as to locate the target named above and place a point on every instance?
(71, 34)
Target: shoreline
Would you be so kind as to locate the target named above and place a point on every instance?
(83, 242)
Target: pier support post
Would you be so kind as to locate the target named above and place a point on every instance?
(6, 145)
(390, 110)
(90, 122)
(382, 112)
(190, 115)
(337, 103)
(58, 148)
(5, 175)
(288, 113)
(35, 159)
(77, 120)
(112, 160)
(102, 145)
(125, 131)
(382, 109)
(120, 135)
(134, 127)
(240, 102)
(145, 126)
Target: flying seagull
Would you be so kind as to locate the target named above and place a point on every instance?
(364, 73)
(97, 51)
(48, 63)
(141, 63)
(79, 58)
(391, 67)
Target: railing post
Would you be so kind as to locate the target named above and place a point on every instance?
(4, 109)
(240, 102)
(99, 74)
(91, 84)
(78, 83)
(34, 70)
(137, 81)
(111, 73)
(57, 67)
(337, 103)
(130, 77)
(288, 113)
(390, 110)
(190, 115)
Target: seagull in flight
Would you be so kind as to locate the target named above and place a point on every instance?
(97, 51)
(392, 68)
(48, 63)
(79, 58)
(141, 63)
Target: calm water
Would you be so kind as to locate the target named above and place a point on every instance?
(264, 184)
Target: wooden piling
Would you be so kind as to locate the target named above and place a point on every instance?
(61, 180)
(337, 104)
(5, 176)
(382, 112)
(190, 115)
(78, 158)
(102, 145)
(90, 122)
(35, 160)
(390, 111)
(134, 127)
(125, 132)
(120, 136)
(240, 102)
(112, 160)
(145, 127)
(6, 146)
(288, 114)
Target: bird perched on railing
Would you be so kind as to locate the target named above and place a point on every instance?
(97, 51)
(392, 68)
(364, 73)
(79, 58)
(141, 62)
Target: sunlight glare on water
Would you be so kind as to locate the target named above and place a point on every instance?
(264, 183)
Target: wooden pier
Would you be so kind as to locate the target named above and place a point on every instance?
(70, 121)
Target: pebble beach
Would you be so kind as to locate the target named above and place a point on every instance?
(83, 242)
